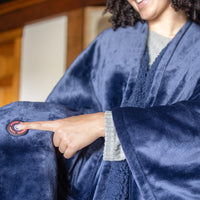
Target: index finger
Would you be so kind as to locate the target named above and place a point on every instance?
(39, 125)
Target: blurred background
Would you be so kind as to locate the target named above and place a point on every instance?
(39, 39)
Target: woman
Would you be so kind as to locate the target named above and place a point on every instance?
(151, 89)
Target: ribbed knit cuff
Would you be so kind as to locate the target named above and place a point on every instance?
(112, 148)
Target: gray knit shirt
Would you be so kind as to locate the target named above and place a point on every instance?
(112, 148)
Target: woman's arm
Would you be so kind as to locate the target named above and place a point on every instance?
(73, 133)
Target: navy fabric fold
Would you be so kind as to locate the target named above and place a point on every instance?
(161, 145)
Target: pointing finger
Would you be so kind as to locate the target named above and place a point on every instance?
(39, 125)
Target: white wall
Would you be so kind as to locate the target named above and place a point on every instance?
(43, 59)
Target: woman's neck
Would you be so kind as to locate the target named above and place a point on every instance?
(169, 24)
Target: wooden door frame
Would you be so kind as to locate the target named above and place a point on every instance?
(10, 81)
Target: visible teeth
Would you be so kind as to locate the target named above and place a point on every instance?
(138, 1)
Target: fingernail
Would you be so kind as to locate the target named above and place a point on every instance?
(19, 127)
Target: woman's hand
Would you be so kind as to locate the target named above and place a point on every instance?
(73, 133)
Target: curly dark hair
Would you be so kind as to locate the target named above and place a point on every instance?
(123, 13)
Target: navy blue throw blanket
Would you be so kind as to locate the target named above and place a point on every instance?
(158, 124)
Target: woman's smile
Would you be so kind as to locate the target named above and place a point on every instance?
(142, 3)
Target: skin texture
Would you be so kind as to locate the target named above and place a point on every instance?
(74, 133)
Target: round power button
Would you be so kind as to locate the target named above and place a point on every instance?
(12, 129)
